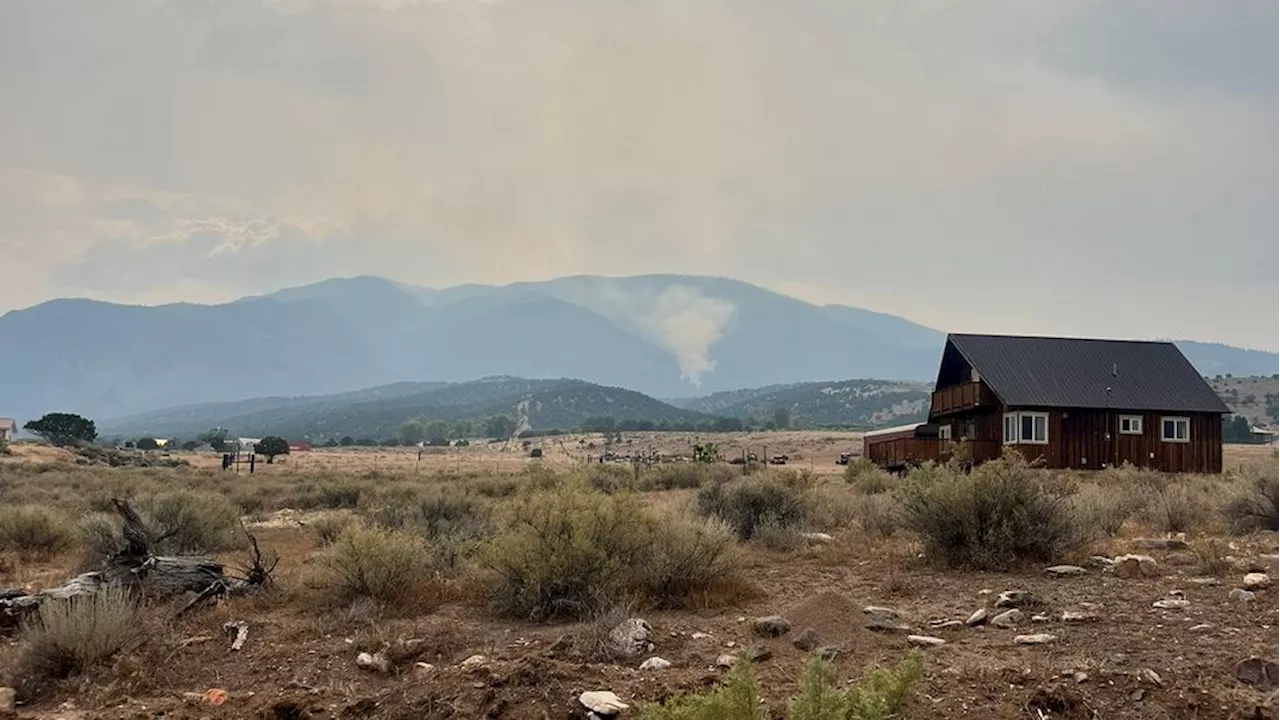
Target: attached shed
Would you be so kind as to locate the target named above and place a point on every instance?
(896, 448)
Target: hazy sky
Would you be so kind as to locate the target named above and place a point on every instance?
(1096, 167)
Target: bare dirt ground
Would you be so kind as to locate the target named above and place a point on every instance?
(1136, 661)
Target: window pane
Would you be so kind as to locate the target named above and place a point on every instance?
(1182, 430)
(1028, 423)
(1169, 431)
(1041, 430)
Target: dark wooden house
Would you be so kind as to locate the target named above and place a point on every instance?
(1073, 403)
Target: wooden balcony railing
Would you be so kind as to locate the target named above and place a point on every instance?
(959, 398)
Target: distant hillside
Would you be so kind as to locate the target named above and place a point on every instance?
(858, 403)
(1255, 398)
(662, 335)
(378, 413)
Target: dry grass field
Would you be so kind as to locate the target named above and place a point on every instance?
(483, 583)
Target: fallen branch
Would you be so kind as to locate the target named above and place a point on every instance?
(242, 632)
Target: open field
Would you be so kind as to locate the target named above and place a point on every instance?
(473, 589)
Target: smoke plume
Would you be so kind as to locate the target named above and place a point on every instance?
(688, 324)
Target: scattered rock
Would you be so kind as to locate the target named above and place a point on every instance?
(984, 592)
(1258, 672)
(1071, 616)
(1205, 581)
(757, 653)
(1202, 627)
(806, 640)
(424, 668)
(1016, 599)
(1160, 543)
(1153, 676)
(8, 700)
(886, 624)
(1119, 659)
(699, 636)
(726, 660)
(731, 644)
(631, 638)
(1171, 604)
(1239, 595)
(878, 610)
(1100, 561)
(1137, 695)
(1007, 619)
(828, 652)
(817, 538)
(1040, 618)
(1036, 639)
(1080, 677)
(655, 663)
(946, 624)
(1134, 566)
(925, 640)
(473, 662)
(1256, 581)
(1065, 570)
(1090, 605)
(1181, 559)
(771, 626)
(602, 702)
(376, 662)
(978, 617)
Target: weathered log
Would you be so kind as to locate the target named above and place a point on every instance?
(135, 567)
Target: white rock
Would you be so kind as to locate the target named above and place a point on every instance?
(1080, 677)
(984, 592)
(1037, 639)
(1133, 566)
(699, 636)
(1153, 676)
(631, 637)
(1171, 604)
(925, 640)
(1078, 617)
(424, 667)
(978, 617)
(817, 538)
(1241, 595)
(1256, 581)
(474, 661)
(376, 661)
(726, 660)
(878, 610)
(8, 699)
(1040, 618)
(655, 663)
(1065, 570)
(1202, 627)
(602, 702)
(1006, 619)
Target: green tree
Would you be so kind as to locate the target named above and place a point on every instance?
(190, 445)
(413, 431)
(782, 418)
(601, 424)
(216, 438)
(437, 432)
(63, 429)
(147, 443)
(347, 441)
(271, 446)
(463, 429)
(500, 426)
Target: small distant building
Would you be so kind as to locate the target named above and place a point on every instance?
(298, 446)
(1261, 435)
(8, 428)
(247, 445)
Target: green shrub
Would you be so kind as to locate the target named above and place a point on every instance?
(1254, 505)
(34, 530)
(330, 526)
(567, 552)
(736, 699)
(1101, 510)
(880, 695)
(1177, 505)
(192, 523)
(336, 495)
(571, 551)
(389, 567)
(612, 478)
(879, 515)
(989, 519)
(684, 556)
(454, 523)
(68, 636)
(773, 535)
(747, 505)
(867, 477)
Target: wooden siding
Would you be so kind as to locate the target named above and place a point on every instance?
(899, 452)
(1078, 440)
(960, 398)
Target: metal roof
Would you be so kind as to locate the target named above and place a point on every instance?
(1074, 372)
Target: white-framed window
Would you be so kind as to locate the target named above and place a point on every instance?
(1175, 429)
(944, 432)
(1130, 424)
(1026, 428)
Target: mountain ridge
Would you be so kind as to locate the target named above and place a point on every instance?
(662, 335)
